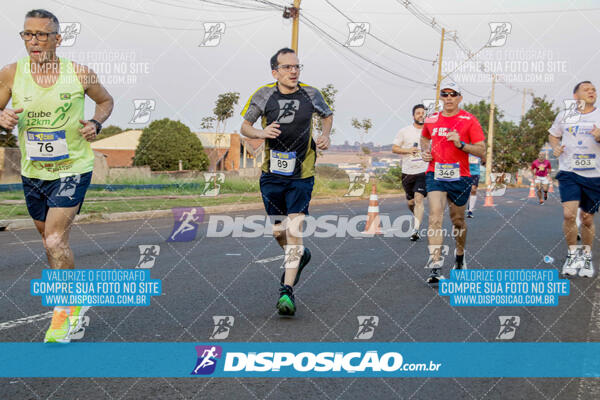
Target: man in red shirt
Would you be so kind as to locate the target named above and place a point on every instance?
(541, 174)
(447, 140)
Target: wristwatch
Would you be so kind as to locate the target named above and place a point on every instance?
(98, 125)
(462, 145)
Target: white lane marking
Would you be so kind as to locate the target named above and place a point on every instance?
(40, 240)
(233, 254)
(268, 260)
(25, 320)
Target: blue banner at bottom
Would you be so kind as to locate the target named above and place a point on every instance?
(295, 359)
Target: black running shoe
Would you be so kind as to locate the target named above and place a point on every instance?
(286, 305)
(434, 277)
(415, 236)
(469, 214)
(303, 261)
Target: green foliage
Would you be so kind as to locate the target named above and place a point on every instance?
(207, 123)
(515, 146)
(224, 107)
(164, 142)
(328, 92)
(7, 139)
(330, 172)
(392, 178)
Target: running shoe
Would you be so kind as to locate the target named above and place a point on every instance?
(462, 264)
(415, 236)
(286, 304)
(469, 214)
(435, 276)
(578, 237)
(587, 270)
(545, 195)
(541, 202)
(303, 261)
(570, 266)
(59, 328)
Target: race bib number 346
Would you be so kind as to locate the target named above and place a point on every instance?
(283, 163)
(447, 172)
(46, 146)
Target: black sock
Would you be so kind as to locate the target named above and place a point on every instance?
(460, 258)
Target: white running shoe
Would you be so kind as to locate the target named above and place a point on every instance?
(587, 270)
(570, 266)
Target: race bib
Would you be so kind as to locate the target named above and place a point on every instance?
(583, 162)
(283, 163)
(473, 159)
(46, 146)
(447, 172)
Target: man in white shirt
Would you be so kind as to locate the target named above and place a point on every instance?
(575, 137)
(407, 143)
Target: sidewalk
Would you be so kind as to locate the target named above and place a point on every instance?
(27, 223)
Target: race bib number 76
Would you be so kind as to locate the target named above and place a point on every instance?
(46, 146)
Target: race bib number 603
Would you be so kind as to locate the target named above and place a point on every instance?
(46, 146)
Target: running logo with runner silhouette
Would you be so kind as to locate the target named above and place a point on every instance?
(223, 324)
(366, 326)
(186, 221)
(207, 359)
(287, 111)
(148, 254)
(508, 327)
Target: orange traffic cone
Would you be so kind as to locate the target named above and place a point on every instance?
(373, 226)
(551, 189)
(531, 191)
(489, 199)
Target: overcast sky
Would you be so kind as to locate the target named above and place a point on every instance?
(156, 53)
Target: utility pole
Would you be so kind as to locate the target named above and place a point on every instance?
(525, 93)
(294, 13)
(439, 74)
(490, 149)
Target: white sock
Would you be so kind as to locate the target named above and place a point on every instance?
(578, 220)
(472, 200)
(416, 224)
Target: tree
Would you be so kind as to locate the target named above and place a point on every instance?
(109, 131)
(328, 92)
(7, 139)
(533, 129)
(363, 126)
(207, 123)
(164, 142)
(224, 108)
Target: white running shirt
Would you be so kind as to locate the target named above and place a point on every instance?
(582, 153)
(407, 137)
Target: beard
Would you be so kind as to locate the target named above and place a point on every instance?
(419, 122)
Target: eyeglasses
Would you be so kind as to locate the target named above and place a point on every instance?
(41, 36)
(451, 94)
(289, 67)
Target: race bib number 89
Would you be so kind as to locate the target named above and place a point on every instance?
(447, 172)
(583, 162)
(46, 146)
(283, 163)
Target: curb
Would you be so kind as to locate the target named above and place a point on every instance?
(27, 223)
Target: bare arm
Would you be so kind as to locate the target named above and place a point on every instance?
(323, 141)
(98, 93)
(557, 149)
(477, 149)
(270, 132)
(8, 117)
(426, 149)
(403, 150)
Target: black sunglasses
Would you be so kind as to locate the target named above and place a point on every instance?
(452, 94)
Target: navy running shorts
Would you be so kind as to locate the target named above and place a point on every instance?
(458, 191)
(41, 195)
(574, 187)
(284, 196)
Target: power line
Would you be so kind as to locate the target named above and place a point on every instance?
(125, 21)
(437, 26)
(378, 39)
(488, 13)
(325, 33)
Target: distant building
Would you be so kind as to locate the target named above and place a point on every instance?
(225, 151)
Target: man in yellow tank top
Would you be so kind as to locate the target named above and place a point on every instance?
(48, 96)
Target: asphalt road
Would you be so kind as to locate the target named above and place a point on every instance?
(347, 277)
